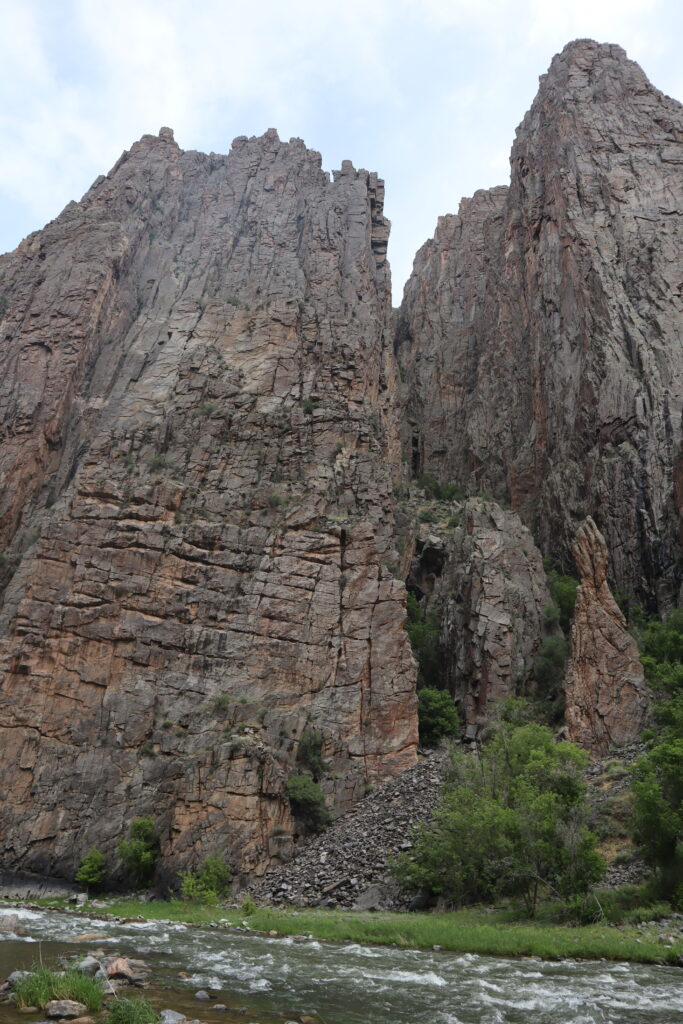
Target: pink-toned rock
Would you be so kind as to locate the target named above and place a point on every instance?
(490, 596)
(607, 699)
(540, 331)
(119, 968)
(199, 443)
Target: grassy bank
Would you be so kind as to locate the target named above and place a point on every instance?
(474, 930)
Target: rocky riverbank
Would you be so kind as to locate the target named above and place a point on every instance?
(348, 865)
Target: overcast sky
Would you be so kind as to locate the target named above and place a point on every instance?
(426, 92)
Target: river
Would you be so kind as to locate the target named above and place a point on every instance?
(268, 980)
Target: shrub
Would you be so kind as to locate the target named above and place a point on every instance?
(309, 754)
(563, 591)
(437, 716)
(308, 405)
(658, 775)
(422, 627)
(132, 1011)
(43, 985)
(439, 492)
(221, 704)
(92, 870)
(548, 673)
(209, 884)
(510, 822)
(307, 802)
(140, 852)
(4, 304)
(550, 662)
(157, 462)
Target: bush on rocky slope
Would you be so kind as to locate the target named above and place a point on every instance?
(658, 775)
(512, 821)
(438, 717)
(307, 802)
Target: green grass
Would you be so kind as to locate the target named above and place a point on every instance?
(132, 1011)
(173, 910)
(44, 984)
(468, 931)
(495, 932)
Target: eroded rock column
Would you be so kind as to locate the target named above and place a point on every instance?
(607, 699)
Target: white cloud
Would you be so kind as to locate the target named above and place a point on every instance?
(427, 92)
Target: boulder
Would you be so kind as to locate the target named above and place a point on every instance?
(64, 1009)
(10, 923)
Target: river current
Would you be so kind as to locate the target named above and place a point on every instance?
(269, 980)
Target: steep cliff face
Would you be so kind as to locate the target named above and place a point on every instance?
(493, 595)
(198, 442)
(607, 699)
(540, 332)
(481, 591)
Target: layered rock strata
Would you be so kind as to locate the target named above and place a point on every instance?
(493, 596)
(540, 331)
(607, 700)
(480, 574)
(198, 442)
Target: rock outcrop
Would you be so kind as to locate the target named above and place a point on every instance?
(476, 570)
(199, 440)
(204, 528)
(349, 865)
(540, 332)
(492, 597)
(607, 700)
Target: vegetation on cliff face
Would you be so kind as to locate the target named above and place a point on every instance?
(308, 802)
(512, 822)
(437, 716)
(422, 627)
(551, 661)
(140, 852)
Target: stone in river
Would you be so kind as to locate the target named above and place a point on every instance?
(65, 1009)
(119, 968)
(89, 965)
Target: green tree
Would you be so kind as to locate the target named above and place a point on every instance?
(439, 492)
(308, 802)
(92, 870)
(437, 716)
(512, 821)
(309, 753)
(208, 884)
(140, 852)
(657, 784)
(422, 627)
(563, 589)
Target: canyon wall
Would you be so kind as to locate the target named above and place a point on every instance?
(540, 331)
(199, 441)
(204, 527)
